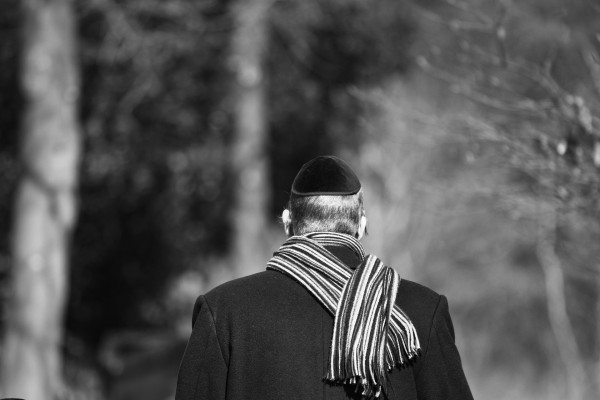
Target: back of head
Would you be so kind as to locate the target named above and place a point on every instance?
(327, 213)
(326, 197)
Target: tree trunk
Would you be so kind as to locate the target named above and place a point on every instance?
(566, 343)
(596, 367)
(45, 205)
(249, 155)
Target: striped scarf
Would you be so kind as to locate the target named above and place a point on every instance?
(371, 335)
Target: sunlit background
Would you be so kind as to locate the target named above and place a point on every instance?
(147, 148)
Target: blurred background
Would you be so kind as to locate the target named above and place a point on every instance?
(147, 148)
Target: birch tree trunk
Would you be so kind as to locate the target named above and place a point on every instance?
(45, 204)
(566, 343)
(249, 155)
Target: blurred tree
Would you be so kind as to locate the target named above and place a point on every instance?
(45, 205)
(251, 191)
(530, 73)
(320, 53)
(155, 184)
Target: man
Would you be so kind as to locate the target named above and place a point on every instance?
(324, 321)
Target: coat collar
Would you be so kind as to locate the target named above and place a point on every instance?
(345, 254)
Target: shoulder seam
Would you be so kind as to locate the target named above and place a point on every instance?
(214, 328)
(431, 329)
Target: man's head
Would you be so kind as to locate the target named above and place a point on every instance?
(326, 197)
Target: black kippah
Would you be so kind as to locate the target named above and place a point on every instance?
(325, 175)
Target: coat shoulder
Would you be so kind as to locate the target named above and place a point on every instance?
(260, 292)
(416, 294)
(420, 303)
(255, 283)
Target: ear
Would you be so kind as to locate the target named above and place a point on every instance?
(362, 226)
(286, 218)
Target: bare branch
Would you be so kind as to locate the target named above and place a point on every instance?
(459, 86)
(527, 69)
(468, 9)
(592, 61)
(500, 34)
(455, 24)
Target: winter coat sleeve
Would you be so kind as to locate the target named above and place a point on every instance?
(441, 376)
(203, 370)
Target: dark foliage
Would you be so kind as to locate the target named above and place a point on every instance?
(11, 103)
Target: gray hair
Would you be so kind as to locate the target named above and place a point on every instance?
(327, 213)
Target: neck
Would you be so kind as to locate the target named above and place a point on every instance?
(338, 240)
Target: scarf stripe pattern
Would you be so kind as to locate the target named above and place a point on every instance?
(371, 335)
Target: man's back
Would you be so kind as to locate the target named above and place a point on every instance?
(266, 337)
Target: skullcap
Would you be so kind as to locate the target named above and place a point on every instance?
(325, 175)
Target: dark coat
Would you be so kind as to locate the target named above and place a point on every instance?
(265, 337)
